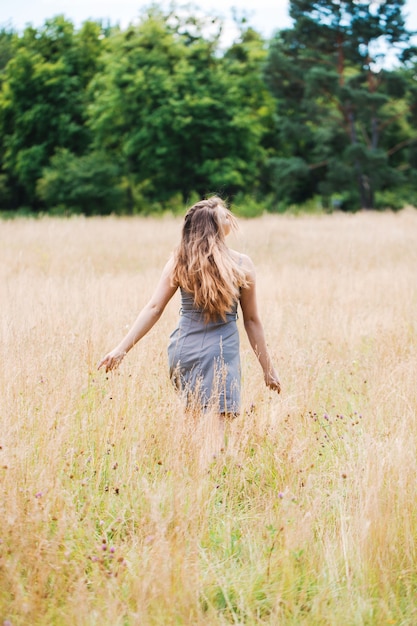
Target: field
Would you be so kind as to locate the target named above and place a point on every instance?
(108, 516)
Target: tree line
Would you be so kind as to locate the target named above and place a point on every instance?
(100, 119)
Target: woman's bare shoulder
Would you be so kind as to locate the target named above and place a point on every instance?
(243, 260)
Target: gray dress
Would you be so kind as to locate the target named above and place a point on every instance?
(204, 358)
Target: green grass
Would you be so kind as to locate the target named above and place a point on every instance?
(308, 517)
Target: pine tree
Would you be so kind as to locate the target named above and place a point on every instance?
(338, 98)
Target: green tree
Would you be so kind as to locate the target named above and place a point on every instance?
(43, 101)
(338, 104)
(179, 115)
(88, 184)
(8, 40)
(245, 60)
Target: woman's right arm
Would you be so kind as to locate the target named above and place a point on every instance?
(254, 328)
(146, 319)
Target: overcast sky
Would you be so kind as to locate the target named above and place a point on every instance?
(264, 15)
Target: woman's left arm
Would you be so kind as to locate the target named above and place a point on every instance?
(146, 319)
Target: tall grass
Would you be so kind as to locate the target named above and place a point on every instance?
(309, 516)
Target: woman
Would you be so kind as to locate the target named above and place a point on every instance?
(203, 351)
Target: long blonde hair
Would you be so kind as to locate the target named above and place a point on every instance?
(203, 264)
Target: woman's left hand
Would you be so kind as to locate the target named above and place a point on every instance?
(112, 360)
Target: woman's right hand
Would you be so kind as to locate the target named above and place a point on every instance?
(272, 380)
(112, 360)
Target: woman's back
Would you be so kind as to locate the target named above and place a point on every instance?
(188, 307)
(204, 265)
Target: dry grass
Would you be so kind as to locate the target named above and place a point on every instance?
(108, 518)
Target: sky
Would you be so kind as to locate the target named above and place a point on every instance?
(266, 16)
